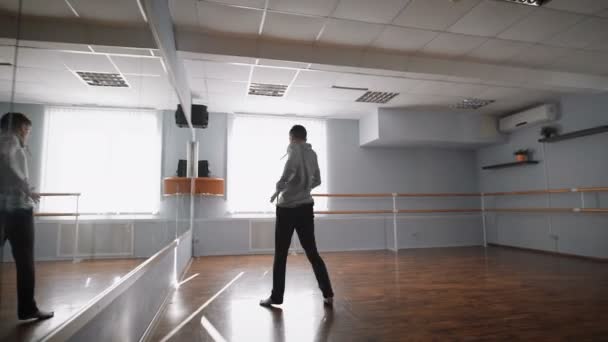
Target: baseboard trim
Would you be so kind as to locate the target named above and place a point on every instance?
(540, 251)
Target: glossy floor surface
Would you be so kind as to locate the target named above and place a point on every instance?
(61, 286)
(424, 294)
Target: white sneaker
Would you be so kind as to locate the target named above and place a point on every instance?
(269, 302)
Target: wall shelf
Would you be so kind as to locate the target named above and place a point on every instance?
(576, 134)
(513, 164)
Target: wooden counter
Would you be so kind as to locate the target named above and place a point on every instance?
(202, 186)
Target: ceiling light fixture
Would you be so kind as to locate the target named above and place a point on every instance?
(536, 3)
(376, 97)
(472, 103)
(101, 79)
(263, 89)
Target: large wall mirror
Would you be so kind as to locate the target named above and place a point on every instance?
(94, 89)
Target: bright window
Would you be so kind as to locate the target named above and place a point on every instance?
(111, 156)
(255, 147)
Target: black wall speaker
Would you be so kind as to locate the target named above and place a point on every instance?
(200, 116)
(203, 168)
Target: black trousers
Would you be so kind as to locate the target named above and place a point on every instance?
(302, 220)
(18, 228)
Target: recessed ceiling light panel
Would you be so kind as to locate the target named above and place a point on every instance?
(264, 89)
(472, 103)
(102, 79)
(376, 97)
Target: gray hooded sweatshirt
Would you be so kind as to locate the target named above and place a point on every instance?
(300, 175)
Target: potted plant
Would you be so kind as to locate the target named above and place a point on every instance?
(522, 155)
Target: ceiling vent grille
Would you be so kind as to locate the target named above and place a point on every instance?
(376, 97)
(537, 3)
(102, 79)
(263, 89)
(472, 103)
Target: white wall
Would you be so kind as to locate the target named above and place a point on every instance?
(581, 162)
(397, 127)
(369, 128)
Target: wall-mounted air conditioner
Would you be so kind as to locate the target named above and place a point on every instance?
(536, 115)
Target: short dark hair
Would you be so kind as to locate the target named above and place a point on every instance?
(298, 132)
(13, 121)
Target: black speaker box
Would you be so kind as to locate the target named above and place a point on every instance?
(200, 116)
(203, 168)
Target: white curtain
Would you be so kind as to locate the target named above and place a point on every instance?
(255, 147)
(111, 156)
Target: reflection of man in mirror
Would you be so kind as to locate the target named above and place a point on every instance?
(295, 211)
(17, 201)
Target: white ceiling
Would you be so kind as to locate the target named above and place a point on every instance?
(46, 74)
(111, 11)
(565, 35)
(223, 86)
(487, 30)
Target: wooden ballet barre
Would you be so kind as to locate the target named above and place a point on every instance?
(549, 191)
(447, 194)
(499, 210)
(57, 194)
(402, 211)
(343, 212)
(469, 194)
(56, 214)
(600, 189)
(531, 210)
(352, 195)
(528, 192)
(593, 210)
(425, 211)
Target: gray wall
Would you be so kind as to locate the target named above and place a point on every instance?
(581, 162)
(415, 169)
(355, 169)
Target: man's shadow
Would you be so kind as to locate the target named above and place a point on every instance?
(278, 326)
(323, 330)
(325, 324)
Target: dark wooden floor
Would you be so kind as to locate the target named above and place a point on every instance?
(61, 286)
(426, 294)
